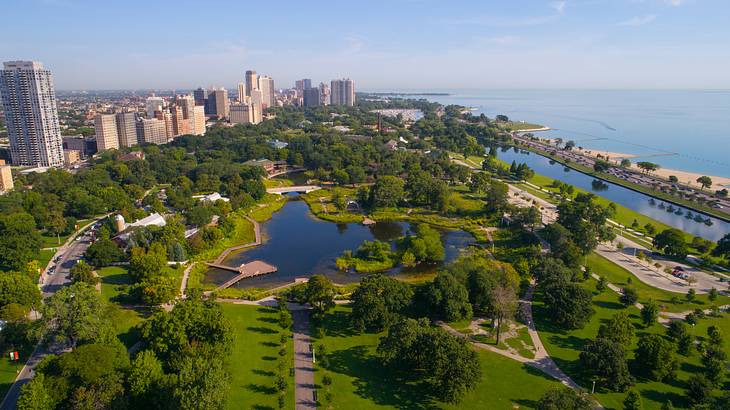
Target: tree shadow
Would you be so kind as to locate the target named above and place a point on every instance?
(263, 372)
(338, 324)
(268, 358)
(258, 388)
(266, 309)
(269, 344)
(261, 407)
(264, 330)
(376, 382)
(268, 320)
(678, 400)
(609, 304)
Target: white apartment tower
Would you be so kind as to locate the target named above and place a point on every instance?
(105, 126)
(342, 92)
(266, 85)
(252, 82)
(29, 102)
(127, 129)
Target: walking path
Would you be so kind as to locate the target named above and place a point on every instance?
(256, 242)
(304, 389)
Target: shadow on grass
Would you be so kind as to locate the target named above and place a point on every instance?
(261, 407)
(260, 329)
(678, 400)
(269, 344)
(337, 324)
(271, 320)
(382, 385)
(266, 309)
(608, 304)
(258, 388)
(263, 372)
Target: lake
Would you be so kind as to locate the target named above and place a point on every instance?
(630, 199)
(301, 245)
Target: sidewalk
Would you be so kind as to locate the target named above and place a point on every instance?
(304, 390)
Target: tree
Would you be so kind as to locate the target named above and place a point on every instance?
(568, 304)
(505, 305)
(202, 383)
(73, 314)
(496, 197)
(320, 293)
(625, 163)
(564, 398)
(678, 332)
(629, 296)
(699, 389)
(714, 359)
(34, 395)
(605, 361)
(601, 166)
(585, 219)
(704, 181)
(146, 264)
(671, 242)
(632, 401)
(619, 329)
(19, 241)
(83, 272)
(378, 302)
(649, 312)
(479, 182)
(647, 166)
(690, 295)
(723, 247)
(145, 379)
(655, 358)
(386, 192)
(200, 215)
(712, 294)
(18, 289)
(447, 298)
(103, 252)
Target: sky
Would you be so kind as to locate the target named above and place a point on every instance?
(381, 45)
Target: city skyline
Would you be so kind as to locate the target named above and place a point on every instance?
(383, 45)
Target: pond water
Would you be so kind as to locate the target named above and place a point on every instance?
(301, 245)
(623, 196)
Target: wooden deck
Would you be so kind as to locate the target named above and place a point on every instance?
(247, 270)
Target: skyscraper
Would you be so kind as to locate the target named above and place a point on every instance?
(200, 95)
(241, 92)
(198, 120)
(180, 126)
(266, 85)
(312, 97)
(105, 126)
(154, 104)
(324, 93)
(152, 131)
(256, 106)
(29, 103)
(252, 82)
(218, 103)
(302, 85)
(127, 129)
(342, 92)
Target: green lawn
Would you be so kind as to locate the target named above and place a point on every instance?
(254, 358)
(359, 381)
(45, 256)
(115, 282)
(519, 125)
(565, 346)
(618, 276)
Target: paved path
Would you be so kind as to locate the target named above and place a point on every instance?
(304, 389)
(298, 188)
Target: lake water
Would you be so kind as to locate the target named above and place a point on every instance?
(301, 245)
(618, 194)
(684, 130)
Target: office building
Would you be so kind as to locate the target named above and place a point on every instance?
(154, 104)
(342, 92)
(268, 98)
(312, 97)
(127, 129)
(105, 126)
(218, 103)
(242, 92)
(29, 105)
(200, 95)
(240, 113)
(252, 82)
(6, 178)
(152, 131)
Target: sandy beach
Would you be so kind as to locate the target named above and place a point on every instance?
(604, 154)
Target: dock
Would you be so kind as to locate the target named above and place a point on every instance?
(246, 270)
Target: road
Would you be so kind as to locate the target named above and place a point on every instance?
(66, 257)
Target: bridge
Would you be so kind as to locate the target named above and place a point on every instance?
(298, 188)
(246, 270)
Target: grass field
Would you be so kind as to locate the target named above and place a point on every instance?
(565, 346)
(115, 282)
(254, 357)
(520, 125)
(619, 276)
(45, 256)
(359, 381)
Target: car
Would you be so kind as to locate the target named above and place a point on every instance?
(724, 279)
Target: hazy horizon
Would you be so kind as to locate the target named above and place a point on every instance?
(381, 45)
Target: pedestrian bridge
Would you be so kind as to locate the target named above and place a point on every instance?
(298, 188)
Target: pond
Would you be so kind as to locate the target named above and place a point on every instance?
(676, 216)
(300, 245)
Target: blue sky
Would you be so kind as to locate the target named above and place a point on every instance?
(404, 44)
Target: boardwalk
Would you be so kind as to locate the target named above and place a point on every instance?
(246, 270)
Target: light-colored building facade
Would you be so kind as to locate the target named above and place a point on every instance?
(6, 178)
(240, 114)
(154, 104)
(198, 120)
(324, 94)
(105, 126)
(71, 156)
(342, 92)
(268, 98)
(252, 82)
(152, 130)
(256, 104)
(127, 129)
(241, 92)
(31, 117)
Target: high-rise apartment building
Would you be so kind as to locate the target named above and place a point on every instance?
(324, 94)
(256, 106)
(312, 97)
(6, 178)
(342, 92)
(187, 104)
(198, 121)
(180, 125)
(127, 129)
(154, 104)
(105, 126)
(242, 92)
(152, 130)
(218, 103)
(268, 97)
(303, 84)
(29, 105)
(252, 81)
